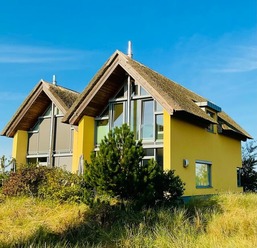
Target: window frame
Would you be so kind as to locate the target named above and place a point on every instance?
(209, 173)
(154, 155)
(239, 176)
(139, 99)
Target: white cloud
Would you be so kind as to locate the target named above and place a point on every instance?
(237, 59)
(11, 96)
(22, 54)
(230, 53)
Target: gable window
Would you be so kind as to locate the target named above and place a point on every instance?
(63, 136)
(147, 120)
(102, 129)
(50, 138)
(143, 114)
(117, 114)
(203, 174)
(39, 136)
(158, 121)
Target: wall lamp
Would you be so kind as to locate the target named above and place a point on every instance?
(185, 163)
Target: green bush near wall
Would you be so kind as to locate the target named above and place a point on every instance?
(44, 182)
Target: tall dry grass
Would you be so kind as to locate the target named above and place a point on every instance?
(24, 219)
(230, 221)
(223, 221)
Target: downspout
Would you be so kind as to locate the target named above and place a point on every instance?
(52, 131)
(129, 99)
(51, 140)
(129, 84)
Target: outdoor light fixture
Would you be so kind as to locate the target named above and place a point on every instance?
(185, 163)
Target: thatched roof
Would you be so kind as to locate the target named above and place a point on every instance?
(66, 97)
(230, 127)
(35, 105)
(174, 98)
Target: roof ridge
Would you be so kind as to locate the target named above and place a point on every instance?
(59, 86)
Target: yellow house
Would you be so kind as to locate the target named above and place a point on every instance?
(180, 129)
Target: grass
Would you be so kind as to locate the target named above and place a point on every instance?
(223, 221)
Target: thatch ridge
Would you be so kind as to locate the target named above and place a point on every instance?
(174, 96)
(65, 95)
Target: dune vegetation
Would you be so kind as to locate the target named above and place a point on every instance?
(226, 220)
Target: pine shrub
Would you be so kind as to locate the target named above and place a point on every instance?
(117, 170)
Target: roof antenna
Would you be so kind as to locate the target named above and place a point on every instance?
(130, 49)
(54, 80)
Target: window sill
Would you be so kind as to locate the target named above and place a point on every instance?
(204, 187)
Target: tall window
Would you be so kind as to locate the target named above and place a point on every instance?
(135, 118)
(39, 135)
(239, 177)
(203, 174)
(117, 114)
(147, 120)
(63, 135)
(102, 129)
(50, 141)
(158, 121)
(145, 117)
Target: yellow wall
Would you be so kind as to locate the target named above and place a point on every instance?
(167, 151)
(195, 143)
(83, 141)
(20, 143)
(182, 140)
(75, 153)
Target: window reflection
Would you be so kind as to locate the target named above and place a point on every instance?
(118, 114)
(147, 120)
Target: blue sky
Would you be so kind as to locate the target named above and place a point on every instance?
(210, 47)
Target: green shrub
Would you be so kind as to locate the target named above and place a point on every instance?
(25, 181)
(44, 182)
(117, 170)
(3, 177)
(61, 185)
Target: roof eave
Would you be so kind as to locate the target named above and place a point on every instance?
(9, 129)
(74, 114)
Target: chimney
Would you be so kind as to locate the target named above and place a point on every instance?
(130, 49)
(54, 80)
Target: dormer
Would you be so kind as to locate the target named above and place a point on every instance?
(212, 110)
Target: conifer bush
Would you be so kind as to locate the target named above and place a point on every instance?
(117, 170)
